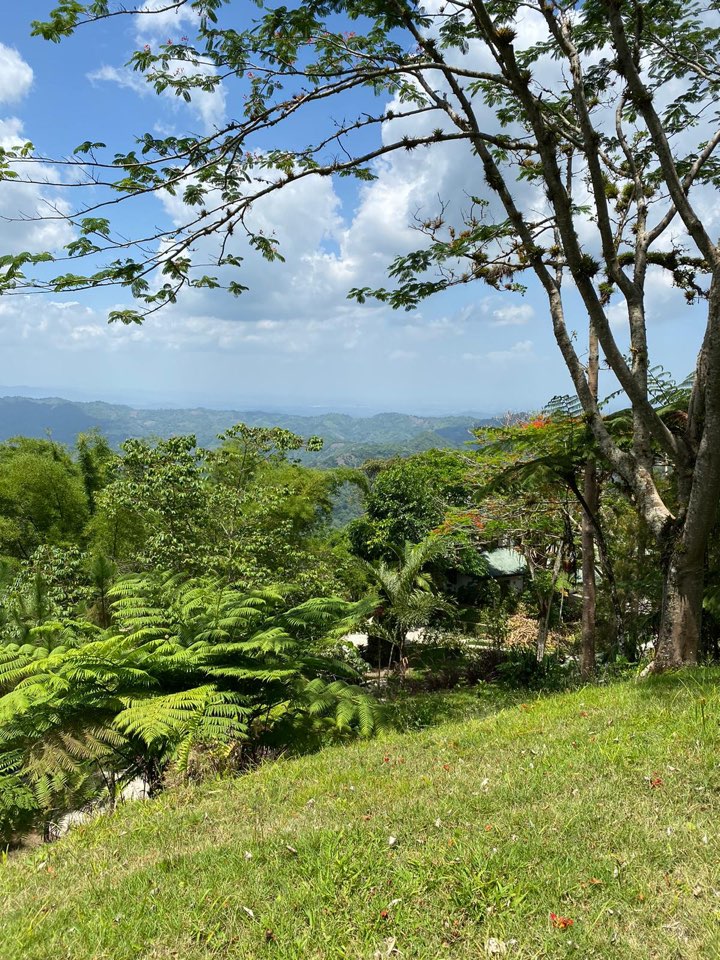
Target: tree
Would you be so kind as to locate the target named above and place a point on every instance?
(407, 596)
(589, 535)
(616, 147)
(42, 498)
(407, 498)
(526, 472)
(154, 511)
(95, 459)
(546, 458)
(186, 665)
(244, 512)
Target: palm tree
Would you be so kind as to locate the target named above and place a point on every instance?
(407, 597)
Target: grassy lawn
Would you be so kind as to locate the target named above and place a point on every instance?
(599, 807)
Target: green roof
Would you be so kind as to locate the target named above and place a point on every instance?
(505, 562)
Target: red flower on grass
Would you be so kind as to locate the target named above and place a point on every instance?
(560, 923)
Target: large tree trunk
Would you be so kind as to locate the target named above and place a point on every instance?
(679, 639)
(698, 490)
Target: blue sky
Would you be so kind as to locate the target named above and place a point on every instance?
(293, 340)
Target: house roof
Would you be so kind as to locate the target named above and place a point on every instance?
(505, 562)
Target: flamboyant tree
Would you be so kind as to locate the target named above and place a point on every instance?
(593, 126)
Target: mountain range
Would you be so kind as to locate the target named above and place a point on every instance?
(348, 440)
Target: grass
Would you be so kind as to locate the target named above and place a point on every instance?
(458, 841)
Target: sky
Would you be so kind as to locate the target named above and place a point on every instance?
(294, 341)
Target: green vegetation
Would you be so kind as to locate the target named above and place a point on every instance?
(168, 611)
(596, 807)
(175, 610)
(622, 153)
(349, 440)
(184, 667)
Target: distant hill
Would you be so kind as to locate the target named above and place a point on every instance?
(349, 441)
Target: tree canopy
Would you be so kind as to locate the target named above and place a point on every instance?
(593, 129)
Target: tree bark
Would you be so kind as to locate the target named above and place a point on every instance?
(679, 639)
(699, 489)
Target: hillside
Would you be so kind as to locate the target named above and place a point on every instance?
(576, 825)
(349, 441)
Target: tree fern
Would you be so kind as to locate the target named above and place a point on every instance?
(183, 665)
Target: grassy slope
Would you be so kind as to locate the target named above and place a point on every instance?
(541, 807)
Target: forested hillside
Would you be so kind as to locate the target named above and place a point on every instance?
(347, 440)
(169, 610)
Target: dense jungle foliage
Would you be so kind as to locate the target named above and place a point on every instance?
(169, 611)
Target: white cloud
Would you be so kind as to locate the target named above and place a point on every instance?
(512, 315)
(16, 76)
(21, 203)
(207, 106)
(123, 77)
(153, 21)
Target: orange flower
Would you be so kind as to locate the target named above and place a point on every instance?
(560, 923)
(539, 422)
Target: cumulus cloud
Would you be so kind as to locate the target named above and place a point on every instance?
(296, 316)
(154, 20)
(207, 106)
(22, 203)
(512, 315)
(16, 76)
